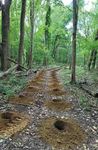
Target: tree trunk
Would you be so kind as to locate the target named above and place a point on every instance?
(32, 32)
(47, 34)
(5, 35)
(21, 41)
(94, 59)
(47, 25)
(55, 46)
(90, 60)
(75, 20)
(84, 60)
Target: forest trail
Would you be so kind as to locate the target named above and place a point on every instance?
(55, 117)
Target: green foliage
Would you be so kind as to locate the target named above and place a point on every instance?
(56, 27)
(12, 85)
(83, 102)
(59, 24)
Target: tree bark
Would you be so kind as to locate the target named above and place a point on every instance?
(47, 34)
(94, 59)
(5, 34)
(93, 55)
(90, 60)
(47, 25)
(55, 46)
(75, 20)
(32, 33)
(22, 30)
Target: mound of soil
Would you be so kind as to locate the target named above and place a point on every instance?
(65, 134)
(57, 92)
(58, 105)
(11, 123)
(34, 83)
(33, 89)
(21, 99)
(54, 85)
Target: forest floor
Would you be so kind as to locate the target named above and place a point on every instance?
(41, 101)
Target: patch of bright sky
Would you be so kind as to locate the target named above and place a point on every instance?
(88, 7)
(88, 3)
(3, 1)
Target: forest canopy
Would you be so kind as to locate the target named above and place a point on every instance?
(40, 32)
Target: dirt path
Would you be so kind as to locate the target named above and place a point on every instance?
(33, 101)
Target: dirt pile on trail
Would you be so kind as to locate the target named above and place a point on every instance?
(27, 96)
(22, 99)
(62, 134)
(58, 105)
(11, 123)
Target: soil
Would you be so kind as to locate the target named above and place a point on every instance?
(82, 124)
(58, 105)
(11, 123)
(65, 138)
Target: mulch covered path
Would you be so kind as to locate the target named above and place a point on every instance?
(52, 111)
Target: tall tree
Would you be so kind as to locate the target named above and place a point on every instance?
(55, 45)
(21, 41)
(32, 32)
(5, 34)
(47, 26)
(75, 20)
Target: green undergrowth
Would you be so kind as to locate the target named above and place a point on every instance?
(12, 85)
(85, 100)
(84, 103)
(66, 74)
(81, 75)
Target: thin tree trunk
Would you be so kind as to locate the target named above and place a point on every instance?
(47, 25)
(47, 34)
(90, 60)
(75, 20)
(55, 46)
(21, 41)
(5, 35)
(94, 59)
(84, 60)
(32, 32)
(93, 55)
